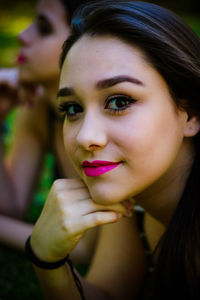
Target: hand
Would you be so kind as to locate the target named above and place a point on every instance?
(68, 213)
(14, 93)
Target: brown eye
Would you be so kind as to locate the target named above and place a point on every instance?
(118, 103)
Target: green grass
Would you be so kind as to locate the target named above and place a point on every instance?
(17, 278)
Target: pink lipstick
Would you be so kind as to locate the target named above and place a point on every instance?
(21, 59)
(98, 167)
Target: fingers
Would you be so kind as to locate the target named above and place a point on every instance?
(68, 213)
(74, 198)
(65, 184)
(88, 206)
(93, 220)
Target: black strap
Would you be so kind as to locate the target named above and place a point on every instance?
(53, 265)
(76, 279)
(39, 263)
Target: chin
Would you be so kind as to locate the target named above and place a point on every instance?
(105, 197)
(25, 77)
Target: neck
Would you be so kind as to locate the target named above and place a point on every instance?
(160, 200)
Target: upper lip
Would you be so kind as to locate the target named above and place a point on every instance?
(98, 163)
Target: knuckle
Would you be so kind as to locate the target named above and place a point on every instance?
(60, 201)
(62, 196)
(59, 187)
(57, 183)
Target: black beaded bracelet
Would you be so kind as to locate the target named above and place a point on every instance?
(48, 266)
(39, 263)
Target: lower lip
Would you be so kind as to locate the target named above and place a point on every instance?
(21, 59)
(97, 171)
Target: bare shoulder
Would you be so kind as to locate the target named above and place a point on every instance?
(153, 230)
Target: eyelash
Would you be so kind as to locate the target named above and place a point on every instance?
(128, 101)
(64, 109)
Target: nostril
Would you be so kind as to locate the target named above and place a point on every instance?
(93, 147)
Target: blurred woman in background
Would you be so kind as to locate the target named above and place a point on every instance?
(38, 126)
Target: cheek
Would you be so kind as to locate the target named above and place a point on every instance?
(50, 59)
(69, 136)
(46, 53)
(150, 142)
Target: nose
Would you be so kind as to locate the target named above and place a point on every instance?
(92, 134)
(25, 36)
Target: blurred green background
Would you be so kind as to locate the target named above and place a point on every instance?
(17, 279)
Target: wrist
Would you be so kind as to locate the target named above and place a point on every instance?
(49, 266)
(41, 263)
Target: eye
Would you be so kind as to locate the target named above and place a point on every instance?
(70, 110)
(44, 27)
(119, 103)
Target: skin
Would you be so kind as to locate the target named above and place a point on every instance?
(152, 139)
(41, 44)
(31, 137)
(99, 133)
(48, 31)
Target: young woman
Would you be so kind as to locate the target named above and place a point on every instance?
(129, 89)
(38, 125)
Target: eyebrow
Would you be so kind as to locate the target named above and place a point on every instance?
(64, 92)
(109, 82)
(102, 84)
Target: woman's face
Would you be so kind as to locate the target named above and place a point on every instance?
(41, 43)
(120, 116)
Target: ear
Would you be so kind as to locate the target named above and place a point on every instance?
(192, 126)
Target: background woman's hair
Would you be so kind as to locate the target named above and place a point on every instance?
(71, 6)
(171, 46)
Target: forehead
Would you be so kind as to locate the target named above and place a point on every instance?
(102, 56)
(53, 9)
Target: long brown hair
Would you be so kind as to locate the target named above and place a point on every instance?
(71, 6)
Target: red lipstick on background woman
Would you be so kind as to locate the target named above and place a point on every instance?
(21, 59)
